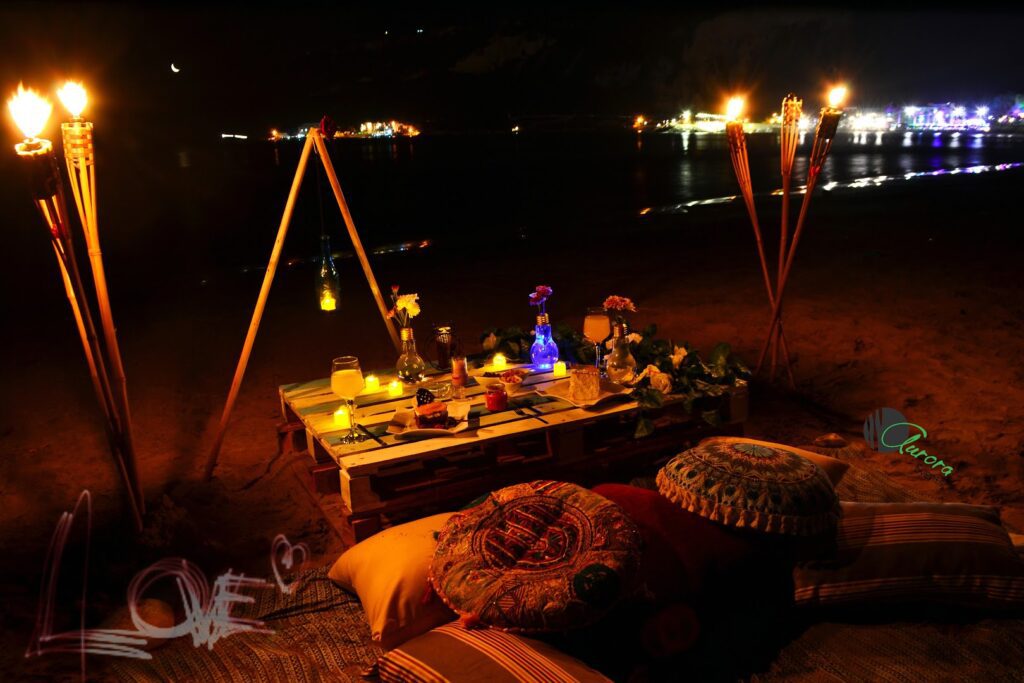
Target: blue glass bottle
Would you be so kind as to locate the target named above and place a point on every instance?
(544, 351)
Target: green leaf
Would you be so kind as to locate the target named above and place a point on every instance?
(712, 417)
(648, 398)
(720, 355)
(644, 427)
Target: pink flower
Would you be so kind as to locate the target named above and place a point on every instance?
(394, 289)
(544, 291)
(619, 303)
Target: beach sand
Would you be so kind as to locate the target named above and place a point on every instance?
(910, 299)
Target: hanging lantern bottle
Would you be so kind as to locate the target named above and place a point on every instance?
(328, 282)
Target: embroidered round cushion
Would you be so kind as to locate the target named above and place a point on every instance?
(761, 487)
(535, 557)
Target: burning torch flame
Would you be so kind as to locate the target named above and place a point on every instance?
(836, 96)
(733, 108)
(29, 111)
(73, 97)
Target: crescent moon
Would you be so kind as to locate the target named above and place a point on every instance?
(174, 68)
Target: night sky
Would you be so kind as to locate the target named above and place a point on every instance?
(247, 69)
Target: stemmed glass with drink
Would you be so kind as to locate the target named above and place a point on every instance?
(347, 382)
(597, 327)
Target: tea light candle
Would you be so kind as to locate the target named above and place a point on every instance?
(558, 370)
(371, 383)
(394, 388)
(499, 362)
(342, 419)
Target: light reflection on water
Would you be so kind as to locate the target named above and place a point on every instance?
(857, 183)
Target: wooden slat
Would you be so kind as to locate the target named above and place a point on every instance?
(314, 403)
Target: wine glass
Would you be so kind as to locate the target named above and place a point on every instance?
(597, 327)
(347, 382)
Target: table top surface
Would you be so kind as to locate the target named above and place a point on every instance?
(314, 403)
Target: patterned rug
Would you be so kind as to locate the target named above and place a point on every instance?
(319, 634)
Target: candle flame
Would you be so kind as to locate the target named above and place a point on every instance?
(836, 96)
(733, 108)
(29, 110)
(73, 97)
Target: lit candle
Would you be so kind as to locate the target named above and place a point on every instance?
(371, 383)
(394, 388)
(499, 362)
(341, 418)
(559, 369)
(327, 302)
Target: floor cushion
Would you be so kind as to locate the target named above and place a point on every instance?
(535, 557)
(764, 487)
(681, 549)
(946, 553)
(453, 653)
(388, 571)
(833, 467)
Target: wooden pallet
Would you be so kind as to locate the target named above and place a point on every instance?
(410, 477)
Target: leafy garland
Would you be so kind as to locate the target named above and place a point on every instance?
(704, 386)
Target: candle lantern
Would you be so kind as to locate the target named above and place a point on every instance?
(328, 283)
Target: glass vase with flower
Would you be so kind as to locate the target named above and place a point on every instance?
(620, 366)
(410, 366)
(544, 351)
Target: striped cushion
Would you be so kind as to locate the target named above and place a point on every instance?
(947, 553)
(452, 653)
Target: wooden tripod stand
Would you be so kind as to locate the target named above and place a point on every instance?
(313, 139)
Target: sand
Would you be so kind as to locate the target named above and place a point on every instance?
(909, 299)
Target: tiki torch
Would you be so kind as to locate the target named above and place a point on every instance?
(828, 123)
(31, 112)
(80, 158)
(741, 166)
(789, 136)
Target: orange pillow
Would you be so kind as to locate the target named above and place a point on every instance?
(834, 469)
(388, 571)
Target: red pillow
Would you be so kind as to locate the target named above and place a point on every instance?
(681, 549)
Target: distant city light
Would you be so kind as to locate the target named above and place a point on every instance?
(235, 136)
(959, 112)
(981, 112)
(639, 122)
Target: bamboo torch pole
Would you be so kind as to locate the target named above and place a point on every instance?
(823, 136)
(792, 107)
(357, 244)
(261, 302)
(79, 155)
(741, 166)
(31, 113)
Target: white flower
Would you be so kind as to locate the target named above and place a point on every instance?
(658, 379)
(662, 382)
(490, 341)
(634, 338)
(409, 304)
(678, 354)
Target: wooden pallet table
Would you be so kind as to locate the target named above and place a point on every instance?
(396, 478)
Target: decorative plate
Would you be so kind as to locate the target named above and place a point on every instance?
(609, 390)
(403, 426)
